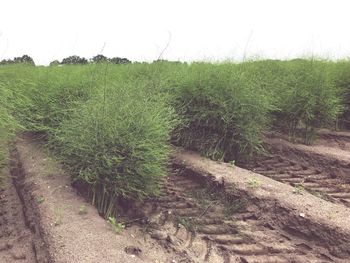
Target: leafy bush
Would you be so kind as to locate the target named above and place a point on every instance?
(341, 76)
(56, 93)
(118, 143)
(223, 110)
(307, 97)
(111, 125)
(8, 123)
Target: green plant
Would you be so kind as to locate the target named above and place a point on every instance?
(234, 206)
(40, 199)
(223, 111)
(299, 188)
(58, 216)
(111, 126)
(319, 194)
(83, 210)
(307, 98)
(117, 227)
(189, 223)
(118, 145)
(254, 183)
(232, 163)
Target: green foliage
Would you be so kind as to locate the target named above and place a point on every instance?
(111, 125)
(83, 210)
(341, 76)
(254, 183)
(8, 123)
(40, 199)
(71, 60)
(223, 109)
(307, 98)
(118, 144)
(117, 227)
(25, 59)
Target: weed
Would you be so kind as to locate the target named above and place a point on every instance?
(332, 215)
(254, 183)
(82, 210)
(319, 194)
(234, 206)
(117, 227)
(189, 223)
(40, 199)
(58, 216)
(210, 196)
(49, 169)
(299, 188)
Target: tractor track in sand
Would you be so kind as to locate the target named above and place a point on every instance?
(201, 222)
(321, 169)
(317, 181)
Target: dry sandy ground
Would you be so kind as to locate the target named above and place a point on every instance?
(40, 219)
(72, 237)
(323, 222)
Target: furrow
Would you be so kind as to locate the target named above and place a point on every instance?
(204, 225)
(303, 176)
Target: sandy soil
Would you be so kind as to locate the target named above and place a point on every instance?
(207, 212)
(69, 235)
(16, 239)
(320, 222)
(212, 226)
(323, 172)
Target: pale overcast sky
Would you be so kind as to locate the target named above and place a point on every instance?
(199, 30)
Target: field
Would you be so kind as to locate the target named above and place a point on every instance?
(116, 131)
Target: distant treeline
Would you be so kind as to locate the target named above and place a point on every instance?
(17, 60)
(71, 60)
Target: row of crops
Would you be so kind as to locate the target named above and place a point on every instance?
(112, 126)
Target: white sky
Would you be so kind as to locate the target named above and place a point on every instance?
(200, 30)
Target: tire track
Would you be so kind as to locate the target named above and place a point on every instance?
(317, 181)
(205, 225)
